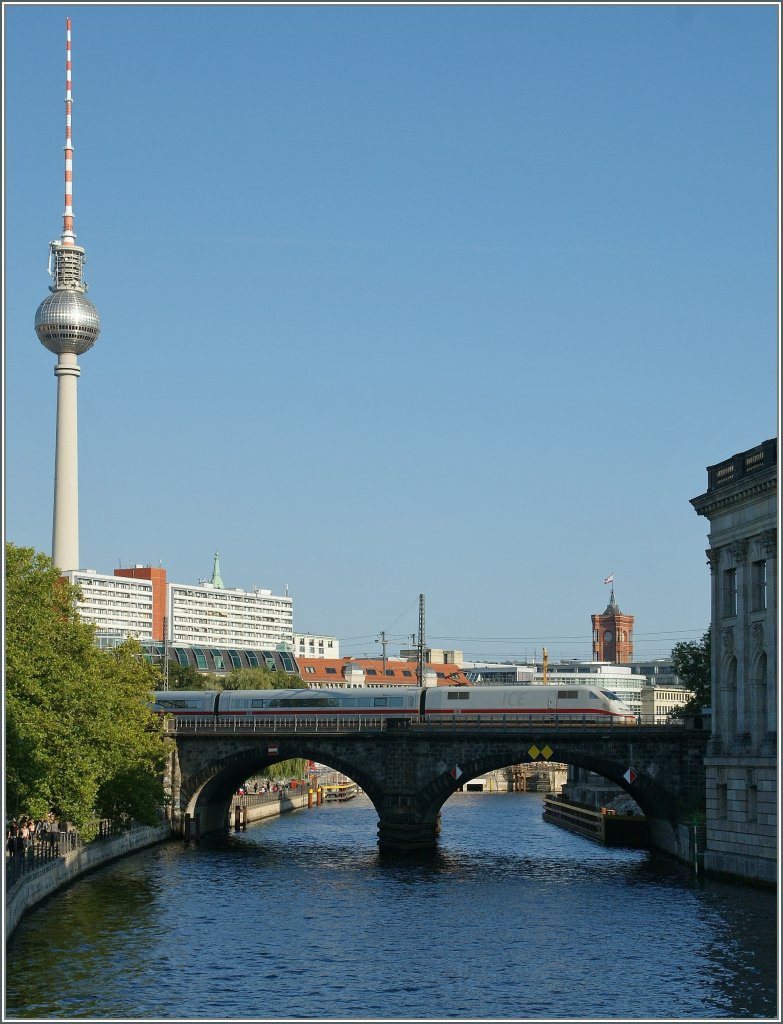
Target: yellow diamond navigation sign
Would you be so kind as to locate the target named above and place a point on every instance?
(547, 751)
(534, 751)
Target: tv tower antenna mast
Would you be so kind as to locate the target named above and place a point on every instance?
(67, 324)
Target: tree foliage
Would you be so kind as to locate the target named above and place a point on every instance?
(81, 738)
(693, 664)
(260, 679)
(183, 677)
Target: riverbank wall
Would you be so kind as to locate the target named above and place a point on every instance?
(34, 886)
(256, 808)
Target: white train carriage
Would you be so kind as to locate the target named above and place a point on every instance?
(186, 702)
(388, 701)
(580, 704)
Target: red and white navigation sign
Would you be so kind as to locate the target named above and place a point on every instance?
(456, 771)
(630, 776)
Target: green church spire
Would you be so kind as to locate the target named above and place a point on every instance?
(216, 580)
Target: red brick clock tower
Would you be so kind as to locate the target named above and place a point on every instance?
(613, 634)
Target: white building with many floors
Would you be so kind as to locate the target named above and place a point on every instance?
(120, 607)
(217, 616)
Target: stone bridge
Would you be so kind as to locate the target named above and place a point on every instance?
(409, 773)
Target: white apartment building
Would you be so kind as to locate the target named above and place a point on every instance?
(207, 614)
(119, 606)
(312, 645)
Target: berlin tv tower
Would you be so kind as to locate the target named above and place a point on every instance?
(68, 324)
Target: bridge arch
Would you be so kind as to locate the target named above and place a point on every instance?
(654, 798)
(207, 790)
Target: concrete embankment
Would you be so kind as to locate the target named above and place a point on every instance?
(41, 882)
(257, 808)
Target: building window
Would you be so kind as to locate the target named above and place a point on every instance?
(730, 592)
(759, 598)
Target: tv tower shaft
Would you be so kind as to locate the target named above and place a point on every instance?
(67, 324)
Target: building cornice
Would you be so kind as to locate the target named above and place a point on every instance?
(716, 500)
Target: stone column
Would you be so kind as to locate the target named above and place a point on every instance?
(715, 744)
(739, 551)
(769, 549)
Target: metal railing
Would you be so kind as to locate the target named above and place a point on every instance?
(282, 724)
(48, 848)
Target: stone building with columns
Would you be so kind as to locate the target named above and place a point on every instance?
(741, 763)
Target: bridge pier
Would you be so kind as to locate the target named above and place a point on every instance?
(403, 836)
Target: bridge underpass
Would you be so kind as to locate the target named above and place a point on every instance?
(409, 773)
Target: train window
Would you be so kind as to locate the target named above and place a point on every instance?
(610, 695)
(174, 704)
(593, 695)
(379, 702)
(259, 703)
(347, 702)
(458, 695)
(395, 702)
(305, 702)
(567, 694)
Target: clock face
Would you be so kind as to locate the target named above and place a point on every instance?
(608, 636)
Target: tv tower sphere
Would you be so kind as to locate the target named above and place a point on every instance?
(66, 320)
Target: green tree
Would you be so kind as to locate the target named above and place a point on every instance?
(185, 677)
(78, 722)
(693, 664)
(260, 679)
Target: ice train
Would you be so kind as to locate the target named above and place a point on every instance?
(587, 705)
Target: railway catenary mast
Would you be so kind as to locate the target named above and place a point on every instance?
(67, 324)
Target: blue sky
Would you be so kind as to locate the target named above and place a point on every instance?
(452, 300)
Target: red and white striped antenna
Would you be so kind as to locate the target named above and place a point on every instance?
(68, 237)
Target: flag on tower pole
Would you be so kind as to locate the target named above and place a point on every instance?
(609, 578)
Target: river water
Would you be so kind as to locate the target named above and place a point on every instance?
(301, 917)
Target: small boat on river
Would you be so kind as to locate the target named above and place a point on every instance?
(340, 791)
